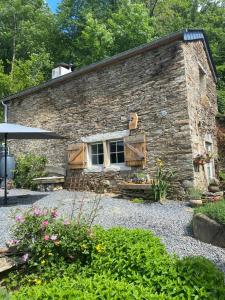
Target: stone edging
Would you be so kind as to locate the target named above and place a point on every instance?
(208, 230)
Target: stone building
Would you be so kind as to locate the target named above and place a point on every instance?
(121, 114)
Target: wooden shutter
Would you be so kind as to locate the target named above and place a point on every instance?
(135, 150)
(77, 156)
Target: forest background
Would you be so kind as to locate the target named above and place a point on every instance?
(33, 39)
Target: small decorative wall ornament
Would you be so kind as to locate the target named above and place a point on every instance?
(133, 121)
(163, 113)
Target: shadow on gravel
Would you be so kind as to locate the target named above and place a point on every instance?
(22, 200)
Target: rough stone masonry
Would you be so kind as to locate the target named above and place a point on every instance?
(169, 84)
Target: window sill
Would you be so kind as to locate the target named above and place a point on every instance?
(111, 168)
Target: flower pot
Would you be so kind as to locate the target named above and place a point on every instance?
(213, 188)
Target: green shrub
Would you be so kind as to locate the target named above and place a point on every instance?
(49, 243)
(98, 287)
(139, 258)
(28, 167)
(215, 211)
(104, 264)
(198, 274)
(137, 200)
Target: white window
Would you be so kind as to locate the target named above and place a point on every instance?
(209, 166)
(97, 154)
(105, 151)
(116, 149)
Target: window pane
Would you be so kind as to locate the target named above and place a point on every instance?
(100, 159)
(120, 147)
(120, 157)
(94, 149)
(94, 159)
(113, 147)
(100, 148)
(113, 158)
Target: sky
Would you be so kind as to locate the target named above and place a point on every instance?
(53, 4)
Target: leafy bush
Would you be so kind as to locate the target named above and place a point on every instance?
(28, 167)
(98, 287)
(48, 243)
(140, 258)
(132, 264)
(215, 211)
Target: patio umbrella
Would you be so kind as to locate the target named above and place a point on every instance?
(16, 131)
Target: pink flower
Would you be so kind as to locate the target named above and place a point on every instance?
(54, 237)
(66, 222)
(25, 257)
(12, 243)
(20, 219)
(54, 213)
(44, 224)
(37, 212)
(46, 237)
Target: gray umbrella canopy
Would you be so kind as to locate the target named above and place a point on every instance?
(16, 131)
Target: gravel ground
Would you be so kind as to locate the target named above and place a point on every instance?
(168, 221)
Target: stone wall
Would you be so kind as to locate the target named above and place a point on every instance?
(202, 105)
(152, 84)
(220, 120)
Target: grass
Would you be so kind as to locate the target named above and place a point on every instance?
(215, 211)
(137, 200)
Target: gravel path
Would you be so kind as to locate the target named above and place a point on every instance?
(169, 221)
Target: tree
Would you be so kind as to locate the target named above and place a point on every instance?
(94, 43)
(130, 26)
(23, 29)
(30, 72)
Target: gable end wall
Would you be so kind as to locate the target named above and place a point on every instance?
(202, 106)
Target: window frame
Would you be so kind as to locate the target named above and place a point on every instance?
(107, 166)
(209, 166)
(97, 154)
(109, 153)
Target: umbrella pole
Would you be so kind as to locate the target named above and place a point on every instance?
(5, 197)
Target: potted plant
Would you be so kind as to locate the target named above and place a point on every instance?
(195, 196)
(214, 185)
(139, 178)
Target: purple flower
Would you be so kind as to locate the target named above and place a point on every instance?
(37, 212)
(20, 219)
(25, 257)
(54, 237)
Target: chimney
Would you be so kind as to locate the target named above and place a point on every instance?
(61, 69)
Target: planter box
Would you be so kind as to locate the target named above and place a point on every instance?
(208, 230)
(135, 186)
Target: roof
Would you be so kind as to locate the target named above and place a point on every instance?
(186, 35)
